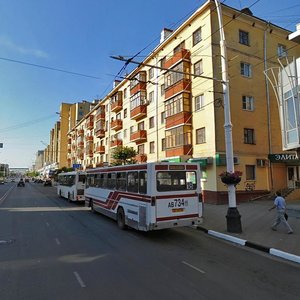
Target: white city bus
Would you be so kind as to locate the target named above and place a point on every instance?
(147, 196)
(71, 185)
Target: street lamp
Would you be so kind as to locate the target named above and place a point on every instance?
(233, 217)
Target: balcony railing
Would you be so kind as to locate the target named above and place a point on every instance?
(141, 158)
(117, 106)
(182, 118)
(100, 133)
(183, 85)
(116, 143)
(80, 132)
(183, 54)
(116, 124)
(89, 138)
(138, 136)
(138, 112)
(100, 149)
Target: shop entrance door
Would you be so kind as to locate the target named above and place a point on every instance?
(293, 176)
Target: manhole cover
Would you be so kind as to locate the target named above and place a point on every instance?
(5, 242)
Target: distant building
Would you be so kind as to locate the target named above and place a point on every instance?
(18, 171)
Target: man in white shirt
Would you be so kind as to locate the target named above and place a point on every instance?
(280, 205)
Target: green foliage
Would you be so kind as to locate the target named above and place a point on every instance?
(123, 156)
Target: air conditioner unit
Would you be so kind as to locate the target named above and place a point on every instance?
(236, 160)
(261, 163)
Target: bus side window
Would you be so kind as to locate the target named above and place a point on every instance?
(143, 182)
(132, 182)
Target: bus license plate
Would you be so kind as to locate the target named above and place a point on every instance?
(177, 203)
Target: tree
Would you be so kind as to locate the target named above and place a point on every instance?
(124, 156)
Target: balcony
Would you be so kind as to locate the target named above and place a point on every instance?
(182, 118)
(179, 150)
(69, 141)
(90, 153)
(183, 54)
(80, 132)
(116, 143)
(116, 125)
(90, 125)
(80, 144)
(100, 133)
(100, 149)
(141, 158)
(100, 114)
(183, 85)
(69, 150)
(139, 136)
(138, 112)
(81, 156)
(141, 86)
(89, 138)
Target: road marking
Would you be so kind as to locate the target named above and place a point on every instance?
(6, 194)
(193, 267)
(80, 281)
(57, 241)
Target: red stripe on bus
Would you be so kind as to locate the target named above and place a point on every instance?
(177, 196)
(161, 167)
(191, 167)
(177, 217)
(114, 169)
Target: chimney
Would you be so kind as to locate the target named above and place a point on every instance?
(165, 33)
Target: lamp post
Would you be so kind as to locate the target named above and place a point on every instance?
(233, 217)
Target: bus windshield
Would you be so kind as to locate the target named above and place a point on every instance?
(176, 181)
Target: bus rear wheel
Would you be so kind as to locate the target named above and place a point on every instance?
(121, 218)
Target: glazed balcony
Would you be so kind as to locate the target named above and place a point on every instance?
(183, 54)
(139, 136)
(182, 118)
(90, 153)
(179, 150)
(141, 158)
(183, 85)
(116, 143)
(138, 112)
(141, 86)
(100, 149)
(116, 124)
(100, 133)
(100, 114)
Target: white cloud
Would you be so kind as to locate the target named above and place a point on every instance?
(8, 43)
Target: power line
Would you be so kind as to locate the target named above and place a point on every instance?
(48, 68)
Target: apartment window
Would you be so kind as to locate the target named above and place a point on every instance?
(200, 136)
(246, 69)
(250, 172)
(244, 37)
(141, 126)
(151, 73)
(249, 136)
(162, 89)
(197, 37)
(125, 113)
(125, 93)
(151, 122)
(152, 147)
(162, 62)
(199, 102)
(131, 129)
(248, 103)
(281, 50)
(151, 97)
(125, 133)
(163, 144)
(141, 149)
(118, 116)
(198, 67)
(162, 117)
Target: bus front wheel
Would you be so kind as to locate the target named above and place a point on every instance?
(121, 218)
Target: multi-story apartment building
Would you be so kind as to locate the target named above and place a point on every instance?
(170, 107)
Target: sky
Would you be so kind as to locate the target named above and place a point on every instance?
(64, 37)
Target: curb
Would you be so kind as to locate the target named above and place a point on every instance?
(235, 240)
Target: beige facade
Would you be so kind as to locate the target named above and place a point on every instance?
(171, 106)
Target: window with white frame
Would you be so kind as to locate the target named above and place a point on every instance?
(162, 117)
(151, 97)
(151, 122)
(197, 36)
(248, 103)
(246, 69)
(200, 136)
(162, 89)
(152, 147)
(151, 73)
(198, 67)
(199, 102)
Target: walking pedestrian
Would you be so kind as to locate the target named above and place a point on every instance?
(280, 205)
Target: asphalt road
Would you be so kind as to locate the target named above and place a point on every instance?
(52, 249)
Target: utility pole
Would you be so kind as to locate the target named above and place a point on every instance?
(233, 217)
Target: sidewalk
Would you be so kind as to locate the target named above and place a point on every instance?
(256, 223)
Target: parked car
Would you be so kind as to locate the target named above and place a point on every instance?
(47, 182)
(21, 183)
